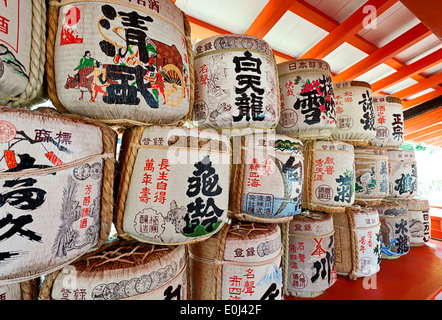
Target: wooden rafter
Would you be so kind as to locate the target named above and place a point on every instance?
(429, 137)
(268, 17)
(420, 86)
(347, 29)
(422, 121)
(423, 132)
(404, 41)
(406, 104)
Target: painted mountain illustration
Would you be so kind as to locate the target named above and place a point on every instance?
(9, 61)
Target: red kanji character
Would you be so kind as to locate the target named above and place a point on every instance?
(160, 197)
(149, 165)
(163, 176)
(147, 178)
(318, 250)
(164, 165)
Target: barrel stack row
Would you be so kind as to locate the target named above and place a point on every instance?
(224, 174)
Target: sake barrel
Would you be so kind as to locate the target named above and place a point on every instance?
(355, 117)
(122, 62)
(57, 175)
(357, 242)
(267, 183)
(309, 249)
(122, 270)
(307, 99)
(174, 185)
(419, 220)
(371, 172)
(27, 290)
(389, 122)
(402, 174)
(329, 176)
(22, 40)
(395, 230)
(236, 84)
(242, 262)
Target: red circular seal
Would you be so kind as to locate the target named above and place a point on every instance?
(7, 131)
(298, 280)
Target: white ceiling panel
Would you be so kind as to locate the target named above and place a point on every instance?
(433, 70)
(344, 57)
(389, 25)
(231, 15)
(293, 35)
(419, 93)
(420, 49)
(338, 10)
(377, 73)
(400, 85)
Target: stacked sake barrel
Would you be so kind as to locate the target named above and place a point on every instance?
(236, 93)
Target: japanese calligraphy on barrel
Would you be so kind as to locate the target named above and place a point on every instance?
(329, 176)
(307, 99)
(236, 83)
(174, 184)
(122, 62)
(357, 242)
(395, 230)
(355, 117)
(402, 174)
(122, 270)
(309, 249)
(389, 122)
(22, 52)
(57, 174)
(371, 172)
(267, 183)
(419, 220)
(242, 262)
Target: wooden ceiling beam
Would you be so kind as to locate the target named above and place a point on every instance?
(401, 43)
(407, 104)
(408, 71)
(420, 86)
(347, 29)
(431, 136)
(423, 132)
(268, 17)
(422, 121)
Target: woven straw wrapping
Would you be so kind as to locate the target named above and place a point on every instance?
(268, 183)
(371, 175)
(307, 99)
(219, 266)
(357, 242)
(389, 122)
(168, 21)
(403, 176)
(185, 151)
(58, 185)
(395, 231)
(329, 183)
(419, 220)
(122, 269)
(355, 117)
(224, 65)
(27, 290)
(309, 254)
(33, 42)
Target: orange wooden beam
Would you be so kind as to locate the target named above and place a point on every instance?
(268, 17)
(431, 136)
(404, 41)
(408, 71)
(407, 104)
(422, 121)
(434, 141)
(420, 86)
(423, 132)
(346, 30)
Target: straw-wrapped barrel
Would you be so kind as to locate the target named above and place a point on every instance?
(242, 262)
(27, 290)
(307, 99)
(419, 220)
(236, 84)
(22, 52)
(395, 230)
(402, 174)
(174, 184)
(329, 176)
(371, 172)
(389, 122)
(57, 174)
(267, 182)
(122, 270)
(355, 117)
(357, 242)
(309, 255)
(122, 62)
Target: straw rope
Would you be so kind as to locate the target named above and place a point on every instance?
(37, 59)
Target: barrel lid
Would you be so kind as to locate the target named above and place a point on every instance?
(392, 209)
(311, 224)
(348, 84)
(417, 204)
(401, 155)
(364, 216)
(371, 151)
(274, 142)
(387, 99)
(333, 145)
